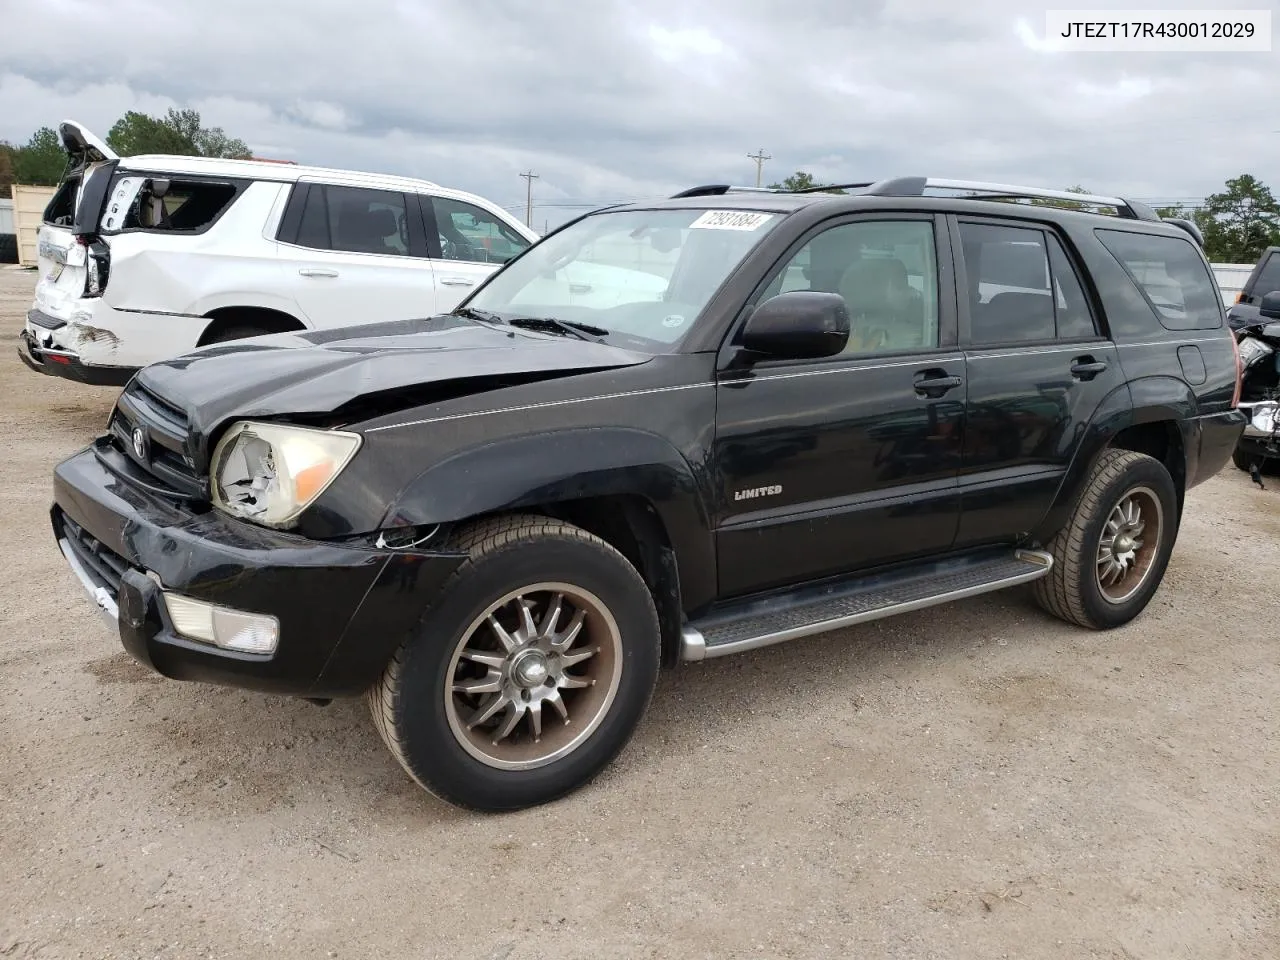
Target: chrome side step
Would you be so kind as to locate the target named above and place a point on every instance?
(859, 601)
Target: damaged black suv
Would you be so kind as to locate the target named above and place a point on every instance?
(668, 431)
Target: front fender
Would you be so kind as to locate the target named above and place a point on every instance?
(561, 465)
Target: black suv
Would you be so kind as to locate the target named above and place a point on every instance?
(668, 431)
(1264, 279)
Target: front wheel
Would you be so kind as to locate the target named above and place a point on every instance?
(1111, 556)
(529, 674)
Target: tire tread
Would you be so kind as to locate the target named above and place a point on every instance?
(480, 540)
(1059, 591)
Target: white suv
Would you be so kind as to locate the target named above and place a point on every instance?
(145, 258)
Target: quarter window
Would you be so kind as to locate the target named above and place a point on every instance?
(1172, 276)
(468, 233)
(886, 271)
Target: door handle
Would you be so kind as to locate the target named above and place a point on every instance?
(934, 383)
(1086, 368)
(457, 282)
(317, 272)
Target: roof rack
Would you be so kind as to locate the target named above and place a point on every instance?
(835, 186)
(916, 186)
(719, 189)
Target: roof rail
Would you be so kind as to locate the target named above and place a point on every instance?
(916, 186)
(834, 186)
(719, 189)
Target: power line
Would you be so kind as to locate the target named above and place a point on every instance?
(528, 208)
(759, 158)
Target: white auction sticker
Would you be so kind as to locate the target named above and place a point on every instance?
(731, 220)
(1166, 31)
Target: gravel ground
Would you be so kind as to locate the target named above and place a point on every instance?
(974, 781)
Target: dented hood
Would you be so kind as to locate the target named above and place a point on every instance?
(317, 372)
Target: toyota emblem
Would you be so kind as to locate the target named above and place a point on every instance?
(140, 443)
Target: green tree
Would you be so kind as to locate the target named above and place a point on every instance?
(6, 169)
(178, 132)
(1240, 222)
(800, 180)
(137, 133)
(41, 160)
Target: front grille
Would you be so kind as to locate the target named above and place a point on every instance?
(101, 561)
(164, 428)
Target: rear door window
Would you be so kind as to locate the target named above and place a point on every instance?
(1007, 272)
(1171, 275)
(353, 220)
(1021, 286)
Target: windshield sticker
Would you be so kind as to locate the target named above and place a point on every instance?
(730, 220)
(674, 320)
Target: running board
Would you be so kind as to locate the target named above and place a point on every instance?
(776, 620)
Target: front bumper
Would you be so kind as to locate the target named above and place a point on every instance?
(67, 364)
(343, 610)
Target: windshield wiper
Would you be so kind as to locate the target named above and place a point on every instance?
(483, 316)
(569, 327)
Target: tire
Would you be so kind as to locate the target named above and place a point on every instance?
(238, 332)
(1074, 589)
(423, 718)
(1241, 459)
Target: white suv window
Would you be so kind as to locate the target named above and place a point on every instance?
(468, 233)
(355, 220)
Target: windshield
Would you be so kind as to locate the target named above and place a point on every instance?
(643, 276)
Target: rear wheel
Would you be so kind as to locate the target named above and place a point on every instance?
(529, 674)
(1241, 459)
(1111, 556)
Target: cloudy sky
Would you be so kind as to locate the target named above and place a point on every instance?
(608, 100)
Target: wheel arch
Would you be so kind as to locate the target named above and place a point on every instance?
(267, 319)
(631, 488)
(1152, 415)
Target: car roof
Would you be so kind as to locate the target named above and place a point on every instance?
(277, 172)
(254, 169)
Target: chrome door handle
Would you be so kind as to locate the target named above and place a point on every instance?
(317, 272)
(457, 282)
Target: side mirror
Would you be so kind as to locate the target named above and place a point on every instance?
(1271, 331)
(1270, 305)
(800, 325)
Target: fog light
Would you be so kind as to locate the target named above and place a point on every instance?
(222, 626)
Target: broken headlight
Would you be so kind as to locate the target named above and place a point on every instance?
(269, 473)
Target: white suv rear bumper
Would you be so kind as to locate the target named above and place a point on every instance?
(98, 335)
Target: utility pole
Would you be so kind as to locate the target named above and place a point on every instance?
(528, 202)
(759, 158)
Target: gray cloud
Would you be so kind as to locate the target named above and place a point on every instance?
(613, 100)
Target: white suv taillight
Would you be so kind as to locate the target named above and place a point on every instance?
(97, 268)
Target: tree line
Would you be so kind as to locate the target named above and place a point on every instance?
(41, 160)
(1238, 223)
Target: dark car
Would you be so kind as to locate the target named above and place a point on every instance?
(1264, 279)
(498, 524)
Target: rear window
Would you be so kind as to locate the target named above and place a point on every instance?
(61, 209)
(1268, 278)
(1172, 276)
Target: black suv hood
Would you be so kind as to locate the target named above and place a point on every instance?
(317, 372)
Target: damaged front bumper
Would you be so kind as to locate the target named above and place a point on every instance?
(39, 349)
(342, 610)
